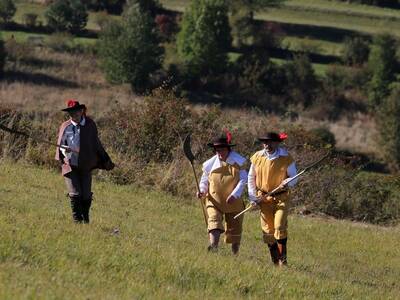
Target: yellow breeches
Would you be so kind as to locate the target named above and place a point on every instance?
(232, 227)
(274, 218)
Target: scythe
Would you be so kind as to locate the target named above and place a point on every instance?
(189, 155)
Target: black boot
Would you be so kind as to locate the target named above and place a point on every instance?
(282, 252)
(76, 206)
(273, 250)
(85, 210)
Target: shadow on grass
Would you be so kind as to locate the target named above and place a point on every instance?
(325, 33)
(40, 63)
(12, 26)
(37, 78)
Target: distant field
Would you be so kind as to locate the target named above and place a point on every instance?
(360, 18)
(146, 245)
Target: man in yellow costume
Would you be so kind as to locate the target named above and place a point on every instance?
(270, 168)
(222, 184)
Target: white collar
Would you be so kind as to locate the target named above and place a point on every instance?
(278, 152)
(82, 122)
(215, 163)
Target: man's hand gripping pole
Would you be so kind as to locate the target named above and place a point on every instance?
(287, 181)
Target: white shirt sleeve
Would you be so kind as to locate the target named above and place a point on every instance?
(291, 172)
(251, 184)
(237, 192)
(203, 186)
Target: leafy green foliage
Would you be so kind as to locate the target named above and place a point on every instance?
(389, 127)
(355, 51)
(7, 10)
(204, 39)
(67, 15)
(383, 66)
(302, 81)
(244, 29)
(129, 51)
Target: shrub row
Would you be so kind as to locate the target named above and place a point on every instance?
(145, 141)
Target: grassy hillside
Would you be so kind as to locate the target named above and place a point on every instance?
(142, 244)
(361, 18)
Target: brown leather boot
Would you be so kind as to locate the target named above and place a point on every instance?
(282, 252)
(273, 250)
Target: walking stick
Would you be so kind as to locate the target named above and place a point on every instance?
(278, 188)
(189, 155)
(13, 131)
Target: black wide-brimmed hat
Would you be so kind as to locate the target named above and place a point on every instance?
(221, 141)
(273, 136)
(73, 105)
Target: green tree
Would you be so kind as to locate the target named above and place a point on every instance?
(130, 51)
(302, 82)
(383, 65)
(355, 51)
(204, 39)
(7, 10)
(388, 120)
(67, 15)
(244, 28)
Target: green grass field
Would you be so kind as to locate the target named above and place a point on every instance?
(145, 245)
(360, 18)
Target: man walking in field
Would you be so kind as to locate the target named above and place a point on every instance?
(83, 154)
(271, 168)
(222, 184)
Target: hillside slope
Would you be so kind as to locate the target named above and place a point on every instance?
(142, 244)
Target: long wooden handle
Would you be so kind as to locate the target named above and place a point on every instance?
(243, 211)
(203, 208)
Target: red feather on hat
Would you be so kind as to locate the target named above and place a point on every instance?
(71, 102)
(228, 136)
(283, 136)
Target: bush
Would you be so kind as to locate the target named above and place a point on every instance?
(130, 51)
(355, 51)
(348, 194)
(7, 10)
(388, 122)
(383, 65)
(67, 15)
(302, 82)
(204, 40)
(257, 75)
(166, 26)
(244, 28)
(327, 138)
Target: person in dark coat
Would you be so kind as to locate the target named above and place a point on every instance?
(84, 153)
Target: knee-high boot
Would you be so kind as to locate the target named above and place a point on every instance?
(76, 206)
(273, 249)
(282, 251)
(85, 209)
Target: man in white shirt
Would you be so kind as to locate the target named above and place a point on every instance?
(222, 184)
(272, 167)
